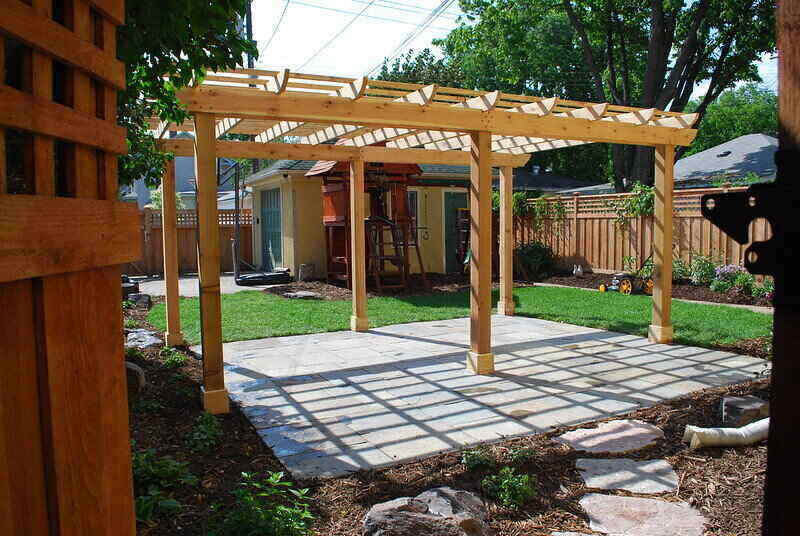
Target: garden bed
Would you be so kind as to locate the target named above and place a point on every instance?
(725, 484)
(684, 291)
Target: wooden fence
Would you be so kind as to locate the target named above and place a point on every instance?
(152, 261)
(589, 234)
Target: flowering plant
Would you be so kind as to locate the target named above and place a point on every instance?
(728, 272)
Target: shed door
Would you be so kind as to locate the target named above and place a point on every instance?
(452, 202)
(271, 236)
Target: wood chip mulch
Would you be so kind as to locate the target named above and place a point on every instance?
(724, 484)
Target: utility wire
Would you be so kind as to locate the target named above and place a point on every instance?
(277, 26)
(432, 16)
(335, 37)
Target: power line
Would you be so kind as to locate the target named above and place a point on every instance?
(373, 17)
(399, 6)
(277, 26)
(432, 16)
(340, 32)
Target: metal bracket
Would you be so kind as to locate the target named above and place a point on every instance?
(779, 204)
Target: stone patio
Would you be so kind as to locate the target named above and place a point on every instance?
(333, 403)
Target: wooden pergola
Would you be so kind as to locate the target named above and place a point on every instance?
(413, 124)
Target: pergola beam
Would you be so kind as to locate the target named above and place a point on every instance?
(339, 153)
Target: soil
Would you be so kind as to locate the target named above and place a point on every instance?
(437, 283)
(684, 290)
(725, 484)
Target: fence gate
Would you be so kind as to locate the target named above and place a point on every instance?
(64, 439)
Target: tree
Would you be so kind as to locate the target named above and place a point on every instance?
(166, 44)
(749, 109)
(421, 68)
(626, 52)
(157, 200)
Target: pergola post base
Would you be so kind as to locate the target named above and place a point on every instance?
(359, 323)
(506, 308)
(660, 334)
(216, 402)
(175, 339)
(480, 363)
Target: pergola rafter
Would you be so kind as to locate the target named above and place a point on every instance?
(398, 122)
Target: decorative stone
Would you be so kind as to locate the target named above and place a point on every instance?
(436, 512)
(141, 300)
(635, 516)
(613, 437)
(650, 476)
(302, 295)
(740, 411)
(142, 339)
(136, 379)
(305, 272)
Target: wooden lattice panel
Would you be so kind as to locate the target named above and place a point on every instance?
(64, 440)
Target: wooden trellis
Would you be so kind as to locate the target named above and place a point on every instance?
(64, 439)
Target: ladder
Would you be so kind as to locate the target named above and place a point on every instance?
(397, 255)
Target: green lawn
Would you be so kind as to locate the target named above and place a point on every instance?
(254, 314)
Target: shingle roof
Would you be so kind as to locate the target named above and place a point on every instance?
(279, 167)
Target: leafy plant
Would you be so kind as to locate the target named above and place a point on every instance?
(639, 202)
(133, 353)
(680, 270)
(269, 507)
(551, 210)
(721, 285)
(744, 283)
(147, 405)
(631, 264)
(130, 323)
(535, 259)
(702, 270)
(508, 488)
(520, 205)
(127, 304)
(478, 458)
(522, 455)
(172, 357)
(728, 272)
(765, 290)
(153, 478)
(206, 433)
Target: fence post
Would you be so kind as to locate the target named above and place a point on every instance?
(148, 242)
(575, 237)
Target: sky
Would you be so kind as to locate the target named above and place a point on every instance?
(308, 38)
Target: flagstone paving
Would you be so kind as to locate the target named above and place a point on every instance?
(648, 476)
(334, 403)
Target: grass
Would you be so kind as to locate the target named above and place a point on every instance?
(254, 314)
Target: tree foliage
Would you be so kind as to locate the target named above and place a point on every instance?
(178, 39)
(749, 109)
(626, 52)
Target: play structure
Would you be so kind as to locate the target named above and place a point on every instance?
(391, 232)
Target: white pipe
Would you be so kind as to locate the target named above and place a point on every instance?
(726, 437)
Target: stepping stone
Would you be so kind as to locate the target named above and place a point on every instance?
(742, 410)
(613, 437)
(635, 516)
(651, 476)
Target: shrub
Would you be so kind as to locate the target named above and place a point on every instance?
(508, 488)
(133, 353)
(522, 455)
(271, 507)
(154, 478)
(744, 283)
(728, 272)
(172, 358)
(128, 304)
(130, 323)
(206, 433)
(702, 270)
(765, 290)
(535, 259)
(721, 285)
(680, 271)
(631, 264)
(478, 458)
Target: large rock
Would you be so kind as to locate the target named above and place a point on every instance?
(436, 512)
(136, 379)
(635, 516)
(740, 411)
(303, 295)
(141, 339)
(613, 437)
(141, 300)
(649, 476)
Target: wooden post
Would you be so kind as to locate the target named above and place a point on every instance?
(215, 396)
(359, 320)
(169, 240)
(661, 326)
(480, 359)
(505, 305)
(575, 234)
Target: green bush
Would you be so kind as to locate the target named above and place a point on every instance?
(270, 507)
(206, 434)
(631, 264)
(721, 285)
(522, 455)
(702, 270)
(765, 290)
(508, 488)
(535, 259)
(479, 458)
(744, 283)
(133, 353)
(172, 357)
(680, 271)
(154, 478)
(130, 323)
(128, 304)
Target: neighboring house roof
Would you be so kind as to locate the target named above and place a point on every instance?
(523, 179)
(751, 153)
